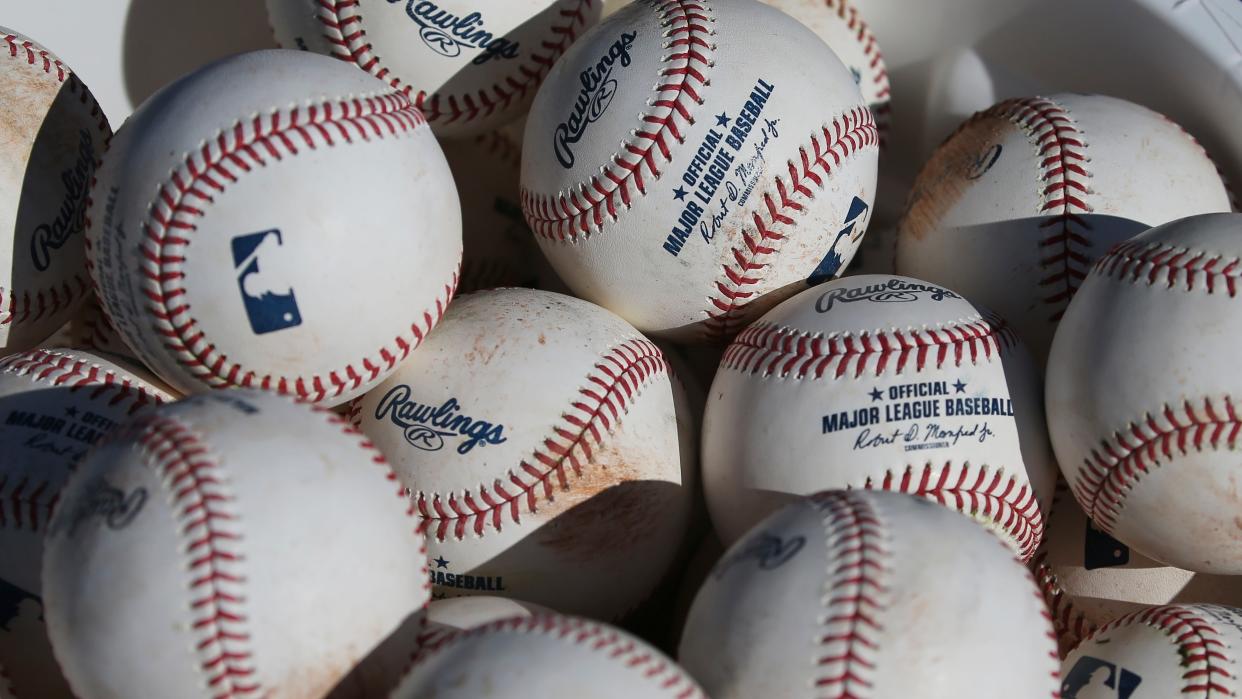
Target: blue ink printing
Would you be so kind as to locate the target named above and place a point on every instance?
(263, 279)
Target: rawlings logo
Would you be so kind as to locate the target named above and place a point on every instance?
(596, 93)
(892, 291)
(111, 504)
(426, 426)
(768, 550)
(69, 220)
(447, 34)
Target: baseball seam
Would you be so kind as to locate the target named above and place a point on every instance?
(1136, 261)
(1118, 463)
(30, 305)
(616, 381)
(1061, 147)
(855, 595)
(849, 132)
(687, 62)
(221, 161)
(208, 521)
(882, 111)
(985, 494)
(343, 28)
(769, 349)
(1071, 624)
(598, 638)
(27, 503)
(1201, 650)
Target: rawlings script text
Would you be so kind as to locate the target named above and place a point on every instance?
(448, 35)
(593, 99)
(69, 220)
(892, 291)
(426, 426)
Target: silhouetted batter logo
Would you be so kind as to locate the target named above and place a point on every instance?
(264, 272)
(831, 264)
(1092, 678)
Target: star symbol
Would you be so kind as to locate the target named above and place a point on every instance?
(71, 412)
(876, 394)
(440, 562)
(961, 387)
(679, 194)
(722, 119)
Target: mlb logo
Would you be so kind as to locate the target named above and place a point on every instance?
(828, 267)
(263, 275)
(1092, 678)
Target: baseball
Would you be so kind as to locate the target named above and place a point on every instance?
(1090, 578)
(1171, 651)
(54, 404)
(468, 66)
(1014, 208)
(852, 594)
(879, 382)
(541, 441)
(544, 655)
(186, 552)
(275, 220)
(51, 136)
(840, 24)
(498, 247)
(674, 139)
(1140, 397)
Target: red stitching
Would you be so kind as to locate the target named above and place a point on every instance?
(206, 517)
(599, 638)
(1071, 624)
(220, 162)
(32, 305)
(1061, 148)
(855, 595)
(1117, 464)
(617, 380)
(768, 349)
(879, 71)
(342, 27)
(850, 132)
(973, 490)
(1200, 647)
(1136, 261)
(36, 499)
(566, 216)
(198, 487)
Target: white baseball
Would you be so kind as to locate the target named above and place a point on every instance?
(498, 247)
(841, 25)
(468, 65)
(54, 404)
(378, 674)
(545, 655)
(275, 220)
(235, 543)
(51, 136)
(539, 438)
(1172, 651)
(857, 594)
(1089, 578)
(1142, 393)
(1014, 208)
(880, 382)
(718, 146)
